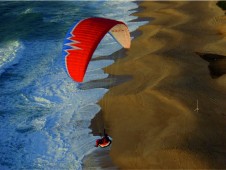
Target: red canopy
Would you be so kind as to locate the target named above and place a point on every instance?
(84, 39)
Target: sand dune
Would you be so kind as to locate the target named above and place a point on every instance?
(151, 118)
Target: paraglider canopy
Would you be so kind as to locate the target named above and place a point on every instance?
(83, 39)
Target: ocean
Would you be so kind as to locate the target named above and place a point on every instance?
(44, 116)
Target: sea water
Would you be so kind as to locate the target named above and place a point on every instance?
(44, 116)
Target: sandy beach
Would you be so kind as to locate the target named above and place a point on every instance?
(151, 117)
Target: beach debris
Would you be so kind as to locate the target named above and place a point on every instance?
(197, 106)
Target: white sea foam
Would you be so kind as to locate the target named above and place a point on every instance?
(10, 53)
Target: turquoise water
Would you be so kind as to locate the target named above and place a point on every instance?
(44, 117)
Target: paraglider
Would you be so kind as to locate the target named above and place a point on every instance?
(80, 43)
(84, 37)
(105, 141)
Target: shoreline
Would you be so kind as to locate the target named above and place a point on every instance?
(100, 158)
(151, 118)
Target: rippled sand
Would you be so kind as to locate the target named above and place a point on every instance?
(151, 118)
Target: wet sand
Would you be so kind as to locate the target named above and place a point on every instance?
(151, 117)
